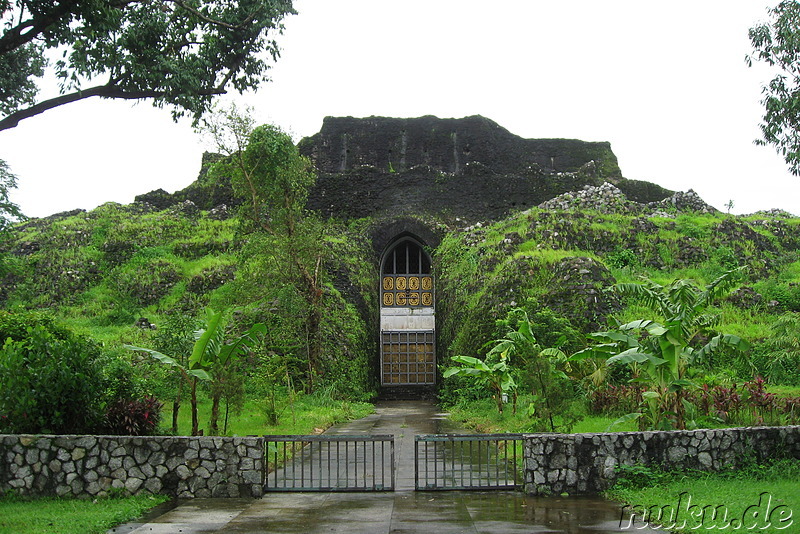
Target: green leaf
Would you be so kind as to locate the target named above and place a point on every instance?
(450, 371)
(634, 356)
(622, 420)
(163, 358)
(199, 373)
(205, 340)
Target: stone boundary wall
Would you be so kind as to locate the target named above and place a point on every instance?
(94, 466)
(581, 464)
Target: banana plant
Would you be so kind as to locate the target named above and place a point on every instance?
(209, 359)
(220, 358)
(498, 376)
(522, 345)
(660, 354)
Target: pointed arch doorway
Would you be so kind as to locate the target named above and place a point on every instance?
(408, 325)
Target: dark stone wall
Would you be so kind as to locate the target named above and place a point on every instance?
(469, 168)
(447, 145)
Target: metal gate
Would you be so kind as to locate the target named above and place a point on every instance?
(329, 463)
(367, 463)
(468, 461)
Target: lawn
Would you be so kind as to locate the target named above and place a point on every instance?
(482, 415)
(71, 516)
(310, 414)
(764, 498)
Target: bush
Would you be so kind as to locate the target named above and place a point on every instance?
(16, 324)
(785, 294)
(133, 417)
(50, 385)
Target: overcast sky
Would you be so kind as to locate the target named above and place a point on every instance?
(665, 83)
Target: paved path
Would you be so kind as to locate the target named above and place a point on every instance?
(399, 512)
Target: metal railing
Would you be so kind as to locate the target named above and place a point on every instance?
(329, 463)
(467, 461)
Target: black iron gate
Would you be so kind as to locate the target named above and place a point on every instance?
(468, 461)
(329, 463)
(367, 463)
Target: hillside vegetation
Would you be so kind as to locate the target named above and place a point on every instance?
(141, 275)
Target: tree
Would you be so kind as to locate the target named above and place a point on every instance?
(179, 53)
(660, 354)
(176, 336)
(283, 239)
(777, 43)
(193, 369)
(9, 212)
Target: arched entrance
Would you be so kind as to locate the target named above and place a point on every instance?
(408, 357)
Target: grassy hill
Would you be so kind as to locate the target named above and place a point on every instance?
(117, 274)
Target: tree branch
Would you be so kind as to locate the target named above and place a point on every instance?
(196, 13)
(103, 91)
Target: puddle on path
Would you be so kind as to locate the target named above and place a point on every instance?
(430, 512)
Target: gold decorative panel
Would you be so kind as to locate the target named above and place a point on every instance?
(405, 291)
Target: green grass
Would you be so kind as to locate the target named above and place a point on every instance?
(311, 413)
(785, 391)
(736, 491)
(71, 516)
(482, 415)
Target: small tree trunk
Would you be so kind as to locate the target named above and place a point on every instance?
(225, 424)
(176, 406)
(213, 427)
(680, 412)
(195, 426)
(498, 397)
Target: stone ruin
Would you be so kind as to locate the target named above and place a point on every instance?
(469, 169)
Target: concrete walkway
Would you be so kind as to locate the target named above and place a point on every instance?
(399, 512)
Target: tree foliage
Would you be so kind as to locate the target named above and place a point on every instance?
(179, 53)
(9, 212)
(777, 43)
(271, 177)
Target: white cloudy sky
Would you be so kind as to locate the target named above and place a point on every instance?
(664, 82)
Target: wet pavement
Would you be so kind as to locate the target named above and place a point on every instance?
(398, 512)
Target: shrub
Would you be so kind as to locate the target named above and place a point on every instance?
(125, 417)
(16, 324)
(50, 385)
(147, 282)
(623, 258)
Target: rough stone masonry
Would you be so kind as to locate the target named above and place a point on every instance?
(581, 464)
(94, 466)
